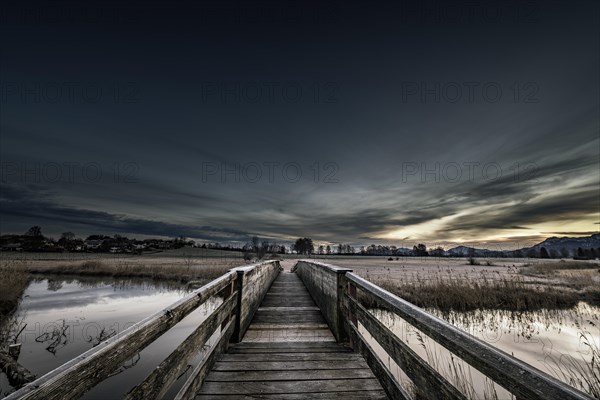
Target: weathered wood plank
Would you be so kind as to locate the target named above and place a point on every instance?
(163, 376)
(284, 346)
(427, 380)
(304, 349)
(356, 395)
(191, 386)
(268, 357)
(288, 365)
(288, 326)
(285, 387)
(288, 335)
(298, 375)
(75, 377)
(518, 377)
(393, 389)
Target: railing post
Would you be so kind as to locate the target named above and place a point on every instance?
(226, 292)
(340, 333)
(351, 287)
(236, 336)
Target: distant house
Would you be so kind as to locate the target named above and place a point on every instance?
(12, 247)
(93, 244)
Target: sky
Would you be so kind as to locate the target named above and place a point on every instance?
(393, 123)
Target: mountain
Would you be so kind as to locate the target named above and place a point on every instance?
(586, 246)
(567, 246)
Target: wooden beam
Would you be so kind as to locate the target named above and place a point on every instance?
(74, 378)
(518, 377)
(162, 378)
(427, 380)
(391, 386)
(192, 385)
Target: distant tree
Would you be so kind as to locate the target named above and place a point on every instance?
(304, 246)
(544, 253)
(67, 240)
(255, 242)
(321, 249)
(437, 252)
(67, 236)
(263, 249)
(34, 231)
(328, 249)
(420, 250)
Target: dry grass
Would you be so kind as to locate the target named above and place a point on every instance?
(180, 273)
(459, 293)
(13, 281)
(554, 268)
(582, 375)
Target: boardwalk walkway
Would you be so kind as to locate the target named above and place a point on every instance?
(289, 352)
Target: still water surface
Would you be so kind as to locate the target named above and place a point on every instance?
(66, 317)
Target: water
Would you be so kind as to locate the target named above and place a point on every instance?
(549, 340)
(66, 317)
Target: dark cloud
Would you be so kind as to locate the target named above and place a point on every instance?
(216, 94)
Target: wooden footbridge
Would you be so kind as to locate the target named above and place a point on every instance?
(305, 334)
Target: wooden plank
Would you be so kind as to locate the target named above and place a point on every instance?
(268, 357)
(287, 302)
(285, 387)
(303, 349)
(513, 374)
(357, 362)
(289, 335)
(427, 380)
(162, 378)
(288, 326)
(265, 309)
(298, 375)
(391, 386)
(285, 346)
(77, 376)
(357, 395)
(191, 386)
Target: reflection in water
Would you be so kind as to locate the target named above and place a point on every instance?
(62, 317)
(55, 339)
(126, 365)
(102, 336)
(562, 343)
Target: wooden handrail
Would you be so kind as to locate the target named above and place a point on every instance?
(332, 287)
(241, 288)
(518, 377)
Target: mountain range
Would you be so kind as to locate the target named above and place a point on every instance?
(554, 247)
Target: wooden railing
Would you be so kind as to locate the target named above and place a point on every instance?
(342, 295)
(241, 291)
